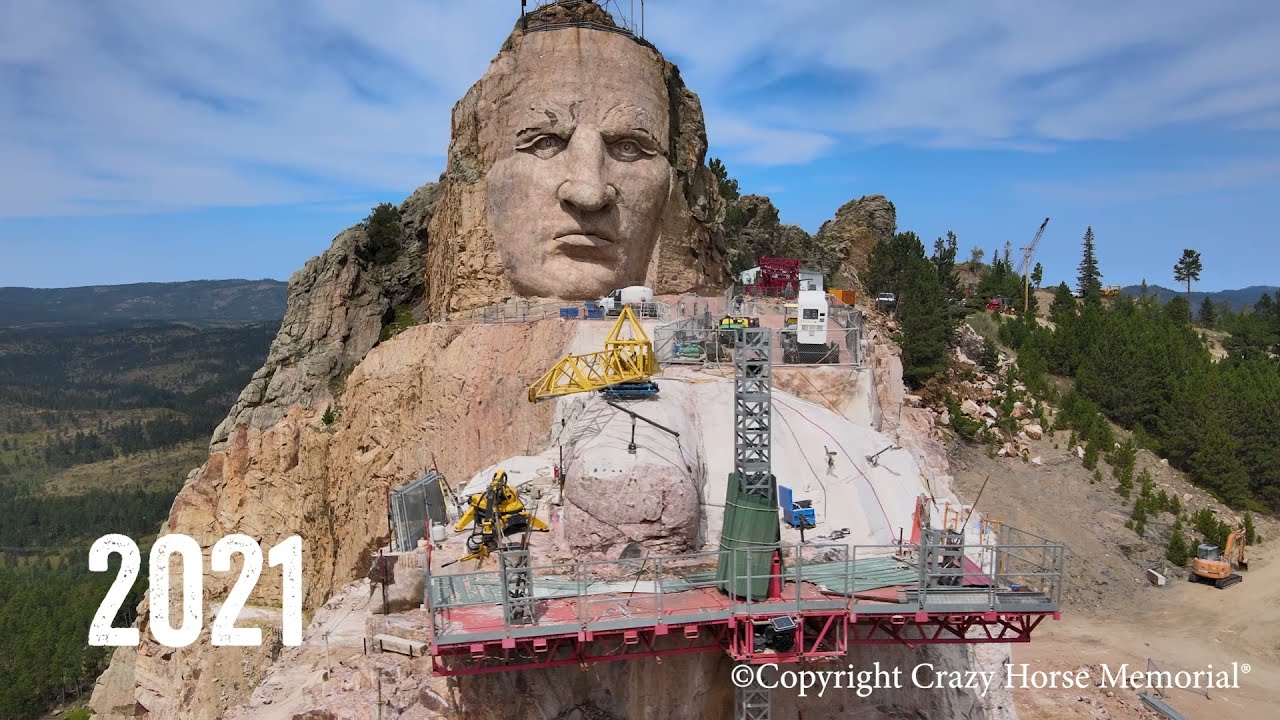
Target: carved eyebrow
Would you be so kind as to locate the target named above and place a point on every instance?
(625, 120)
(545, 117)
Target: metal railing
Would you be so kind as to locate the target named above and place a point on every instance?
(522, 310)
(700, 340)
(1024, 573)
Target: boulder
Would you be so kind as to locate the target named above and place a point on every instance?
(970, 408)
(1034, 431)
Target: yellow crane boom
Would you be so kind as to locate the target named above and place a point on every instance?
(627, 357)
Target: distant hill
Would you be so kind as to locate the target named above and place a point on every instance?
(1236, 298)
(200, 302)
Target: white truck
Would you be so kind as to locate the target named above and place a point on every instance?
(638, 295)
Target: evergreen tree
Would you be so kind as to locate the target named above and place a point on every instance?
(891, 263)
(1177, 553)
(728, 186)
(1208, 313)
(944, 261)
(927, 328)
(1064, 303)
(1089, 280)
(1037, 276)
(1187, 270)
(975, 256)
(384, 234)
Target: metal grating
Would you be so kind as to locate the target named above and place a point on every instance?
(752, 387)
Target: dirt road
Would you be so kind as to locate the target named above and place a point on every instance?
(1111, 614)
(1182, 626)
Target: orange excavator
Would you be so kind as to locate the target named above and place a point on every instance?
(1211, 566)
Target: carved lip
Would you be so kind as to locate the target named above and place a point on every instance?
(584, 244)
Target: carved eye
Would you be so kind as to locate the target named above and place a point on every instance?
(627, 150)
(546, 146)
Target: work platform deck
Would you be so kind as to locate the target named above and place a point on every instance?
(597, 611)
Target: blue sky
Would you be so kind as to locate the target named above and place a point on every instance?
(146, 141)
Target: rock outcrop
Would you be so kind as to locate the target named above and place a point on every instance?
(338, 304)
(434, 395)
(754, 231)
(853, 233)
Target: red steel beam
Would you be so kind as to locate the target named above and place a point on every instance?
(829, 636)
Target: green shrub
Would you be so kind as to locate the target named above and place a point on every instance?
(1213, 530)
(384, 235)
(1177, 552)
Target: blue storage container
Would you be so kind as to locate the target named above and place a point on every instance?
(568, 313)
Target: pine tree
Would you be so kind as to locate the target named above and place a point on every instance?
(1208, 313)
(1037, 276)
(1187, 270)
(926, 325)
(1177, 553)
(1089, 281)
(384, 232)
(728, 186)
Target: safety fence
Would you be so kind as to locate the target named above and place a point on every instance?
(411, 506)
(521, 310)
(702, 340)
(866, 579)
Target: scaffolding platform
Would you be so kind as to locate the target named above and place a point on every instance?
(825, 598)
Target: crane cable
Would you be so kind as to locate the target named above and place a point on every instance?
(888, 522)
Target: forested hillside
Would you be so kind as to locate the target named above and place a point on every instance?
(99, 425)
(1143, 365)
(208, 302)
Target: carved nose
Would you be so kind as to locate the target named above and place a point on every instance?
(585, 187)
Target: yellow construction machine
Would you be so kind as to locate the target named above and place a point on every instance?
(1210, 566)
(492, 515)
(627, 358)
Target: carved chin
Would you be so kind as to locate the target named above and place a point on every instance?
(561, 276)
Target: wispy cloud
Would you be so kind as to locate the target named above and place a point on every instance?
(1141, 186)
(134, 106)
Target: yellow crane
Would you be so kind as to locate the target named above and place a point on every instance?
(492, 515)
(627, 358)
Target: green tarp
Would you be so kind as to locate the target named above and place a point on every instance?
(749, 522)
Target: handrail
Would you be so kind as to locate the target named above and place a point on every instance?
(1031, 583)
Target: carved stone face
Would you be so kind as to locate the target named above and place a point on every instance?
(580, 176)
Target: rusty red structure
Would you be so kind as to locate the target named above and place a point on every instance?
(779, 277)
